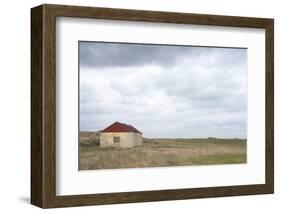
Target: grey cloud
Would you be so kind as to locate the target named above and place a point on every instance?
(203, 94)
(98, 54)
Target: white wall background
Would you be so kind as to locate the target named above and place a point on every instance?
(15, 105)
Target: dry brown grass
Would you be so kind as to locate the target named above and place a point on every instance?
(160, 152)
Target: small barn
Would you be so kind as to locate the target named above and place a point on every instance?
(120, 135)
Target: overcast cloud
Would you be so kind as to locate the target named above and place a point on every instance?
(164, 91)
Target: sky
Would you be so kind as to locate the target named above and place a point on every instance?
(164, 91)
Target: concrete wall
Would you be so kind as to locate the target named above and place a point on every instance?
(137, 139)
(127, 139)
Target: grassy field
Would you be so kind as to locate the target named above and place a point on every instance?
(160, 152)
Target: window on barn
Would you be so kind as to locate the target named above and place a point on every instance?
(116, 139)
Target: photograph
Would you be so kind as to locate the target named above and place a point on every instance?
(155, 105)
(171, 105)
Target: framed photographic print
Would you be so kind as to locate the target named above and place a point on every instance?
(136, 106)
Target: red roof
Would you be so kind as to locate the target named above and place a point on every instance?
(120, 127)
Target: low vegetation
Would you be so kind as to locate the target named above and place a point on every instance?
(160, 152)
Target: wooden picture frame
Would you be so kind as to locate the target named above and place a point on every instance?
(43, 105)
